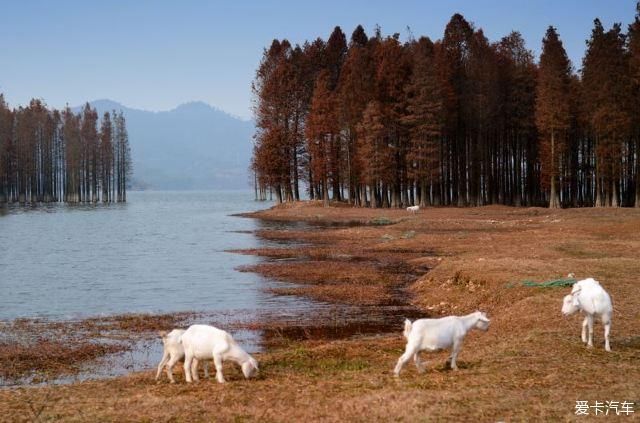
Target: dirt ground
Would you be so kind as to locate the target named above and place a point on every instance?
(530, 365)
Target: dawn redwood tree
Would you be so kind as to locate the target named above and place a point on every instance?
(481, 115)
(270, 111)
(335, 54)
(456, 40)
(123, 157)
(425, 118)
(606, 89)
(89, 141)
(314, 59)
(7, 153)
(634, 64)
(71, 136)
(322, 133)
(393, 69)
(355, 90)
(517, 96)
(376, 154)
(106, 157)
(552, 107)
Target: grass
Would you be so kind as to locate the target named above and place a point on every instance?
(42, 350)
(380, 221)
(45, 358)
(530, 365)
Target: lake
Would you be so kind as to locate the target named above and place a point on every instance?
(160, 252)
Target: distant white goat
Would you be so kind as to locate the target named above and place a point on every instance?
(413, 209)
(590, 297)
(435, 334)
(174, 352)
(203, 342)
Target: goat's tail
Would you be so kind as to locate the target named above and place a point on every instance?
(162, 333)
(407, 328)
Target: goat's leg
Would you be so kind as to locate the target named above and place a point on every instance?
(194, 370)
(585, 323)
(590, 320)
(172, 362)
(165, 358)
(418, 363)
(205, 364)
(606, 320)
(188, 359)
(454, 353)
(217, 361)
(404, 358)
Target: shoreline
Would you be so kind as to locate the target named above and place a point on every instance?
(111, 339)
(455, 261)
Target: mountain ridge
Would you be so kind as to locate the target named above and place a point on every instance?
(192, 146)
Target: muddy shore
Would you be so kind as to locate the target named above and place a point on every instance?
(439, 261)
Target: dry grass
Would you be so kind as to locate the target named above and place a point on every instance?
(530, 365)
(42, 350)
(351, 380)
(48, 358)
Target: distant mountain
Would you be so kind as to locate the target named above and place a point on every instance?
(194, 146)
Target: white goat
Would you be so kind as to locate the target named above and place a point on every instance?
(174, 352)
(203, 342)
(435, 334)
(590, 297)
(413, 209)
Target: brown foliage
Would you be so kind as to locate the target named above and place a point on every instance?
(459, 121)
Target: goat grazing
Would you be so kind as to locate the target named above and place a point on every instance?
(413, 209)
(173, 352)
(435, 334)
(203, 342)
(590, 297)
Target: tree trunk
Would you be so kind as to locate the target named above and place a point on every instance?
(325, 193)
(554, 202)
(637, 204)
(424, 193)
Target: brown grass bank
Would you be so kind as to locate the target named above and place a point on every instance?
(530, 365)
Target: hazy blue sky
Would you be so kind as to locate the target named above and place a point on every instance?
(155, 55)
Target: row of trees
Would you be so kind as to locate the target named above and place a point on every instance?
(48, 155)
(459, 121)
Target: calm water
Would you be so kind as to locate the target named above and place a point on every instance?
(160, 252)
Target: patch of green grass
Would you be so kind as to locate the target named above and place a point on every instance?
(304, 361)
(380, 221)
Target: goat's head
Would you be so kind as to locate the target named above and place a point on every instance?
(250, 368)
(483, 321)
(570, 304)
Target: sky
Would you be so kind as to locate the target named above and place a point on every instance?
(155, 54)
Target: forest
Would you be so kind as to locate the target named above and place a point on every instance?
(460, 121)
(59, 156)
